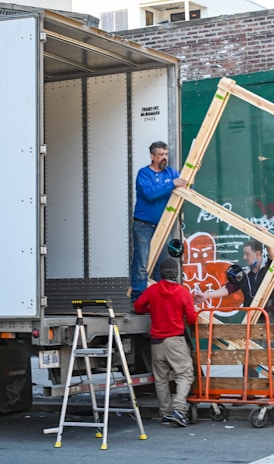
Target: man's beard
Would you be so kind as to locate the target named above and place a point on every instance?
(163, 165)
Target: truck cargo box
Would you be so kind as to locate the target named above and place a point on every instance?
(79, 109)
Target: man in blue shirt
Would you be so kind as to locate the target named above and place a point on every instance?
(154, 185)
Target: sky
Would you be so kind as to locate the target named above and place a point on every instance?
(266, 3)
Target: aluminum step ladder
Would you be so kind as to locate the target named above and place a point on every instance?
(87, 353)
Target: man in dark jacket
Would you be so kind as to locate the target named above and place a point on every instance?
(169, 305)
(249, 283)
(251, 278)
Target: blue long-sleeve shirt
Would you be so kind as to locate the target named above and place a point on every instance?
(153, 190)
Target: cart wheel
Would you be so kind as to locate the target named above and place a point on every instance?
(271, 414)
(193, 413)
(256, 420)
(222, 415)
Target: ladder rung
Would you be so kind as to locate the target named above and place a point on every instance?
(82, 352)
(84, 424)
(121, 410)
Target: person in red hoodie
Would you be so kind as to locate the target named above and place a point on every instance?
(170, 306)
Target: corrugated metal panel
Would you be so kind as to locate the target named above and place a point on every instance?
(61, 292)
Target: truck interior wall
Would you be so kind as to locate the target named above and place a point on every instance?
(123, 117)
(150, 116)
(108, 176)
(64, 179)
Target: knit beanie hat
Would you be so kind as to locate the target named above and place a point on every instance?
(169, 269)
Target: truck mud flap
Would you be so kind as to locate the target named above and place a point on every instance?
(15, 378)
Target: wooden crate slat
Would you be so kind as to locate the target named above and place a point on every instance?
(226, 215)
(233, 385)
(230, 86)
(232, 331)
(227, 344)
(235, 357)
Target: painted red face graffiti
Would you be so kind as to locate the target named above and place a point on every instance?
(201, 249)
(202, 272)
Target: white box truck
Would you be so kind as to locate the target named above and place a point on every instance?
(79, 109)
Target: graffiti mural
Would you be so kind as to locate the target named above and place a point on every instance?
(203, 272)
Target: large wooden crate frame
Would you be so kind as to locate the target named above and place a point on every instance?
(225, 88)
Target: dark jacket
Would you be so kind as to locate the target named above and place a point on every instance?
(250, 284)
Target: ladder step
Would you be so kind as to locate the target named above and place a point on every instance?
(92, 352)
(84, 424)
(121, 410)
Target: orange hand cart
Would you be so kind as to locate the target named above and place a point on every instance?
(222, 344)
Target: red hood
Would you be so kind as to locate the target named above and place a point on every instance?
(168, 289)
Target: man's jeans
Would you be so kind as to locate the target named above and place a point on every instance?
(142, 234)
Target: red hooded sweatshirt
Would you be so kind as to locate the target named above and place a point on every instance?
(169, 304)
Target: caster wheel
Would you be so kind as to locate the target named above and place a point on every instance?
(218, 416)
(271, 414)
(257, 419)
(193, 413)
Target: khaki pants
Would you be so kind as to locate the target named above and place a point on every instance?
(172, 355)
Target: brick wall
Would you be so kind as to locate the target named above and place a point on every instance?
(214, 47)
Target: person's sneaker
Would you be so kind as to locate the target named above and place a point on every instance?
(179, 418)
(166, 420)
